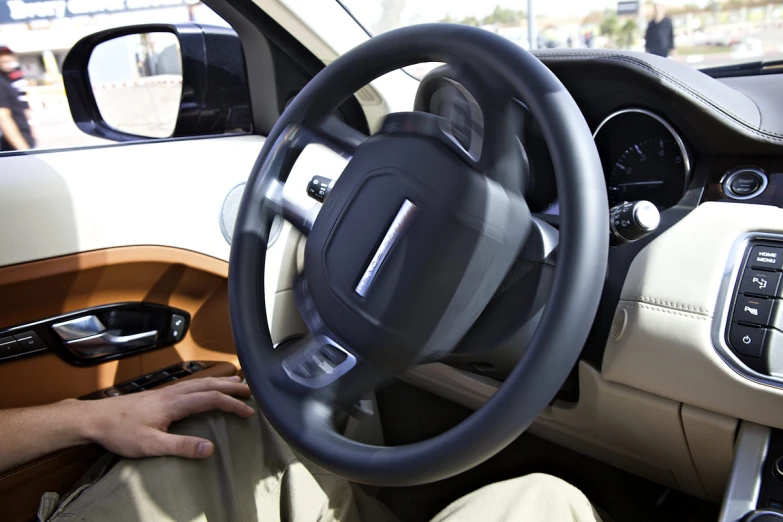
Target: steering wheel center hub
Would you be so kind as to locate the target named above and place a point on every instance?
(394, 242)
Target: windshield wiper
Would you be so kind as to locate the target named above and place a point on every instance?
(745, 69)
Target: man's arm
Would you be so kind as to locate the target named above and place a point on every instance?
(10, 130)
(131, 425)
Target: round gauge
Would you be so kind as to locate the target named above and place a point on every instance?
(643, 158)
(650, 169)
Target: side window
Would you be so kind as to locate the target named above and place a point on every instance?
(90, 72)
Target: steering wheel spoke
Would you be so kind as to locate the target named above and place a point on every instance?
(300, 162)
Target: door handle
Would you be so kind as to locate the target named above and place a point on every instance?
(88, 338)
(110, 342)
(79, 328)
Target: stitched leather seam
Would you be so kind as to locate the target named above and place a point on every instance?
(668, 304)
(58, 455)
(722, 111)
(690, 315)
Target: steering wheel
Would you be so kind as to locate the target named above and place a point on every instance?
(413, 240)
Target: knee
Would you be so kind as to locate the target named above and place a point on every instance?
(543, 485)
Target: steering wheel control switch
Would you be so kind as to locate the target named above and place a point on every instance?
(631, 221)
(317, 361)
(755, 326)
(744, 183)
(319, 188)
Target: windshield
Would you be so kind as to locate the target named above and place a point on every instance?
(700, 33)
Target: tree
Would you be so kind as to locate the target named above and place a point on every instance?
(593, 17)
(609, 27)
(626, 34)
(502, 15)
(499, 15)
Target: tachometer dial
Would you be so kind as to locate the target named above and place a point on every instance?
(651, 169)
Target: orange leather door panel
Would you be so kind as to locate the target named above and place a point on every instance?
(169, 276)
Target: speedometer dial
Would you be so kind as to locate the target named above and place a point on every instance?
(643, 158)
(651, 169)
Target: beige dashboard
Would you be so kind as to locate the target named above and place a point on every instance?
(665, 404)
(670, 296)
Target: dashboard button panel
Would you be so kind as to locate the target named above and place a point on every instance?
(754, 328)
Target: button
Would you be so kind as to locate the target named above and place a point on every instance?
(753, 310)
(195, 367)
(29, 341)
(333, 355)
(177, 327)
(747, 340)
(9, 347)
(152, 378)
(319, 188)
(160, 375)
(113, 392)
(766, 257)
(129, 387)
(302, 371)
(759, 283)
(315, 366)
(745, 183)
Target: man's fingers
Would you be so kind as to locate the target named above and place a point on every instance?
(180, 446)
(200, 402)
(228, 385)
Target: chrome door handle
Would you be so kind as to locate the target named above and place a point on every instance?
(79, 328)
(88, 338)
(110, 342)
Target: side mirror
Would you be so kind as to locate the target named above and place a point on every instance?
(158, 81)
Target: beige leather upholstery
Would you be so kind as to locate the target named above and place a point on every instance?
(670, 296)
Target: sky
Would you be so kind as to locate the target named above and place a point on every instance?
(368, 11)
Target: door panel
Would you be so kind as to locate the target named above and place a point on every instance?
(166, 193)
(179, 278)
(137, 222)
(77, 229)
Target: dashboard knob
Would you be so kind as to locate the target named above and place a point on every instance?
(632, 220)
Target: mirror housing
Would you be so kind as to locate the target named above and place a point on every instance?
(215, 98)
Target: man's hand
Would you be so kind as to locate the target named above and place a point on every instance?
(130, 425)
(136, 425)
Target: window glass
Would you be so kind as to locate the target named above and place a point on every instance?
(700, 33)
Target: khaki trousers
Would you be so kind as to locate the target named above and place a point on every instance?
(254, 476)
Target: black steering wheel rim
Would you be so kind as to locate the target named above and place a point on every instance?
(565, 324)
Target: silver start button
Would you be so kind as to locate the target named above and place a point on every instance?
(744, 183)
